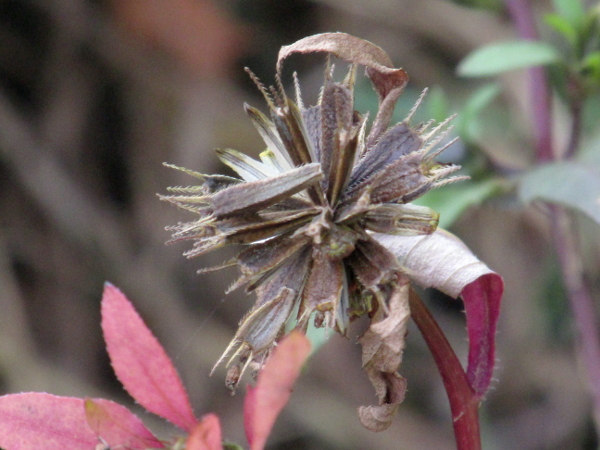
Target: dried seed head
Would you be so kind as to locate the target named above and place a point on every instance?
(305, 211)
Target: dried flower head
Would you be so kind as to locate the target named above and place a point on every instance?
(304, 212)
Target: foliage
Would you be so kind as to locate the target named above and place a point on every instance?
(38, 420)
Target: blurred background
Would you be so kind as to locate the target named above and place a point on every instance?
(96, 94)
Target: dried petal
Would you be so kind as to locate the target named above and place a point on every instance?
(383, 344)
(247, 168)
(267, 131)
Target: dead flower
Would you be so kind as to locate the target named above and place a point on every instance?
(304, 213)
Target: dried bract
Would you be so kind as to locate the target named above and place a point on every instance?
(305, 211)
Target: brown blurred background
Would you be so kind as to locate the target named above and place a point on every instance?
(96, 94)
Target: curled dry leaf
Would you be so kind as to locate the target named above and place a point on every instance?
(388, 81)
(443, 261)
(383, 344)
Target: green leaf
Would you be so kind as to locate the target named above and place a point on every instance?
(571, 10)
(590, 67)
(437, 104)
(573, 184)
(472, 109)
(501, 57)
(562, 26)
(451, 201)
(589, 152)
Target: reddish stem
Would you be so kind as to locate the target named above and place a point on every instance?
(464, 404)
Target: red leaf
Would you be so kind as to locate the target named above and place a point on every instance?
(206, 435)
(141, 363)
(264, 402)
(482, 305)
(117, 426)
(35, 420)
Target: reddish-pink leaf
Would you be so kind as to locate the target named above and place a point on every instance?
(264, 402)
(117, 426)
(35, 420)
(443, 261)
(206, 435)
(141, 363)
(482, 305)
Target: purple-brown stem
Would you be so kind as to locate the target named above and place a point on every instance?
(541, 97)
(464, 404)
(565, 242)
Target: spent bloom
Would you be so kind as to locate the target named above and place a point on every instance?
(306, 215)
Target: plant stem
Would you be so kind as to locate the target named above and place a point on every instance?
(574, 138)
(464, 404)
(541, 98)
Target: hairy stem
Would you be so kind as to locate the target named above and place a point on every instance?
(464, 404)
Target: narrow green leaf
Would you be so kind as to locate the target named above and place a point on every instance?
(501, 57)
(572, 184)
(481, 98)
(562, 26)
(590, 66)
(437, 104)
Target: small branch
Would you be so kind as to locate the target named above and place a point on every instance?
(464, 404)
(541, 98)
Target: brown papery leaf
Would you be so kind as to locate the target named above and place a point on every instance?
(355, 50)
(344, 46)
(443, 261)
(383, 344)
